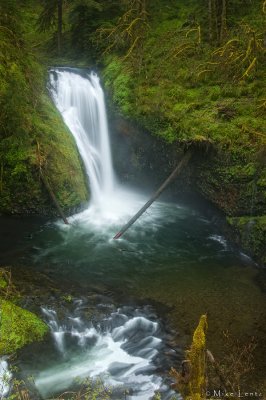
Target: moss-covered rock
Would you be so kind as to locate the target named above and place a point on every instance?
(22, 191)
(18, 327)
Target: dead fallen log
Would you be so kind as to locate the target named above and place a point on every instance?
(166, 183)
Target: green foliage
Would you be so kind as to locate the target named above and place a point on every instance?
(48, 16)
(3, 283)
(85, 16)
(80, 20)
(68, 298)
(118, 80)
(170, 87)
(128, 32)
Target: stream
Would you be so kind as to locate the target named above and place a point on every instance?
(131, 304)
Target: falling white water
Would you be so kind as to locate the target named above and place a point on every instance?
(5, 377)
(80, 100)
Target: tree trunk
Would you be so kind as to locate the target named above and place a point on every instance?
(166, 183)
(215, 21)
(59, 25)
(223, 27)
(210, 14)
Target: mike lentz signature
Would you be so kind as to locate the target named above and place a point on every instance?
(223, 394)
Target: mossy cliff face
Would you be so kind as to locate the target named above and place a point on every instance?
(239, 189)
(236, 186)
(32, 134)
(48, 145)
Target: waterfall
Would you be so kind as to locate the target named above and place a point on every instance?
(80, 100)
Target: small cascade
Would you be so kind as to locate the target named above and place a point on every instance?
(5, 377)
(80, 100)
(121, 350)
(56, 330)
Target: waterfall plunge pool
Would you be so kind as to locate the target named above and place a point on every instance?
(172, 266)
(150, 287)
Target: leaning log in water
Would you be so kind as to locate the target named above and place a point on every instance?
(170, 178)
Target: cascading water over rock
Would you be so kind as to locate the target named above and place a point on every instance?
(80, 100)
(5, 377)
(121, 349)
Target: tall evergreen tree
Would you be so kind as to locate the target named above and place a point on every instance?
(52, 16)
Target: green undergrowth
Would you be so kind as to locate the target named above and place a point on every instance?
(171, 97)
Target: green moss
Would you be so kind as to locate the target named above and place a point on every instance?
(21, 188)
(194, 386)
(27, 117)
(68, 298)
(118, 80)
(170, 98)
(196, 356)
(3, 283)
(18, 327)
